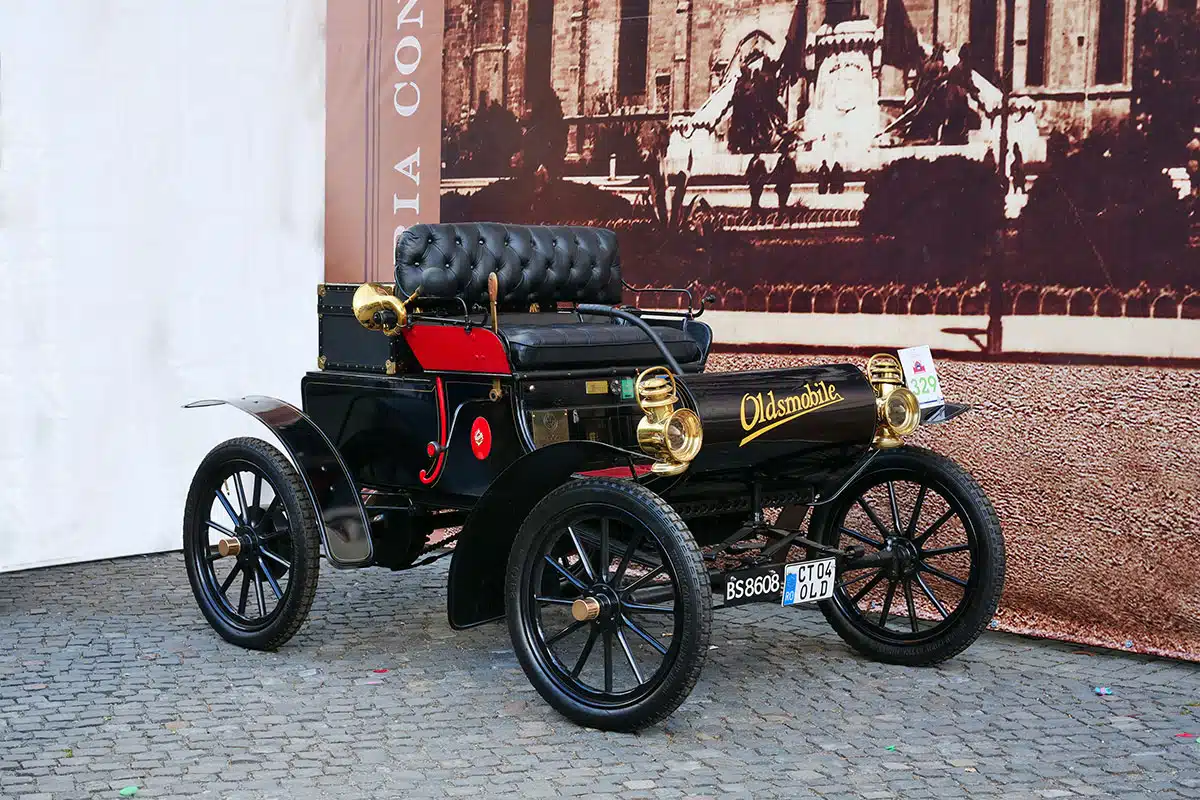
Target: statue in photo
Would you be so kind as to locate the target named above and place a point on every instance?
(822, 93)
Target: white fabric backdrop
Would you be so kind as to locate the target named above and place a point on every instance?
(161, 223)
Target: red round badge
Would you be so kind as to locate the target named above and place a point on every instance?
(481, 438)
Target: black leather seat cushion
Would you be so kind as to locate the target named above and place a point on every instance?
(543, 264)
(565, 345)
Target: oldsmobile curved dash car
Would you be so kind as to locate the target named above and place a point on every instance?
(608, 488)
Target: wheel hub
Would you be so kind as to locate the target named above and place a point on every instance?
(906, 557)
(243, 544)
(600, 604)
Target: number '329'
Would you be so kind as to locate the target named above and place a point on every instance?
(925, 384)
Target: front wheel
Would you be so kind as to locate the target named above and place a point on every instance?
(251, 544)
(943, 583)
(608, 603)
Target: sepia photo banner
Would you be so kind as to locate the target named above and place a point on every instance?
(1014, 183)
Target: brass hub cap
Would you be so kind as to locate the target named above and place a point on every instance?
(229, 547)
(585, 609)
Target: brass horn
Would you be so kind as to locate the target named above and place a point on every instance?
(378, 309)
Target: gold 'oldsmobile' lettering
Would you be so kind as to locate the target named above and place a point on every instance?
(761, 415)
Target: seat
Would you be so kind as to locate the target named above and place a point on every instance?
(569, 345)
(538, 266)
(542, 264)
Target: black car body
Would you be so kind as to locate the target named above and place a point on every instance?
(499, 386)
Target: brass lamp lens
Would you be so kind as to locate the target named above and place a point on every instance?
(676, 436)
(902, 411)
(683, 435)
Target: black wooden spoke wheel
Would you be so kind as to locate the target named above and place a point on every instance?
(250, 543)
(943, 582)
(609, 605)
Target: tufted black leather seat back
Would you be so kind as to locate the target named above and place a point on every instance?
(541, 264)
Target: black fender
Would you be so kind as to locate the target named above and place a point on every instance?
(943, 413)
(475, 594)
(345, 530)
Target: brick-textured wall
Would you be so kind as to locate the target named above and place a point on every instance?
(1093, 472)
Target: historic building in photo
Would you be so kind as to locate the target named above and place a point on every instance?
(661, 59)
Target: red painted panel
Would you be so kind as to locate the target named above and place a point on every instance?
(450, 348)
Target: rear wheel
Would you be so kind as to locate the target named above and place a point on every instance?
(944, 581)
(250, 543)
(609, 605)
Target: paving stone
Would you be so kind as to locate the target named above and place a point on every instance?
(783, 708)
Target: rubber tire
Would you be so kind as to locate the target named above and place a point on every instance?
(302, 587)
(694, 587)
(982, 603)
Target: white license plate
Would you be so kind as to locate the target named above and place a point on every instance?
(808, 581)
(791, 584)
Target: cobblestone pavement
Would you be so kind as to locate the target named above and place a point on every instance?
(109, 677)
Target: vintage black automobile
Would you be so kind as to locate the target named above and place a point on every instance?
(605, 484)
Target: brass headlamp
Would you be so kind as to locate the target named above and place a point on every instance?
(670, 435)
(377, 308)
(898, 409)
